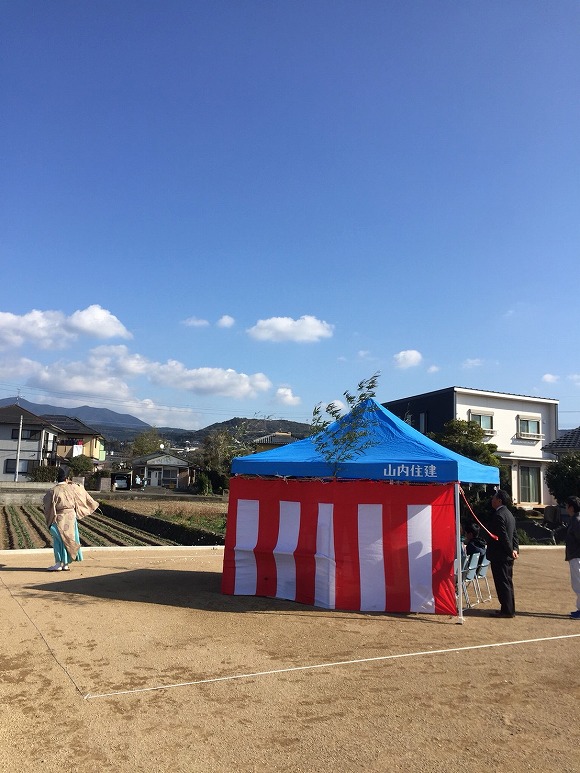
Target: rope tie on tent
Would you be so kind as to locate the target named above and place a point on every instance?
(493, 536)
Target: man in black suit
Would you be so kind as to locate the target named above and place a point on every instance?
(502, 552)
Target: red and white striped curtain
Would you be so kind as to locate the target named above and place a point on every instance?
(357, 545)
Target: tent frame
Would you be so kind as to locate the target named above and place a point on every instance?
(459, 595)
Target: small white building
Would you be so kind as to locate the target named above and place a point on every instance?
(519, 425)
(161, 469)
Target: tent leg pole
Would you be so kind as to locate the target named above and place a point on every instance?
(460, 618)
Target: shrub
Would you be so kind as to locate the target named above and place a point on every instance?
(81, 465)
(43, 474)
(204, 484)
(563, 477)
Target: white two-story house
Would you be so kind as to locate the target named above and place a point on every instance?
(520, 426)
(26, 441)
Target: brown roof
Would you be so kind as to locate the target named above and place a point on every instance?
(10, 414)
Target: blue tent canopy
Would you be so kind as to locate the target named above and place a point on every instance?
(395, 451)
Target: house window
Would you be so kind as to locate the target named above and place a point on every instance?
(529, 428)
(25, 466)
(530, 484)
(483, 420)
(169, 476)
(27, 434)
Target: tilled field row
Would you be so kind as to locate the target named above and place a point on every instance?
(22, 527)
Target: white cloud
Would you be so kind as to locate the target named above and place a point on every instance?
(20, 369)
(433, 369)
(203, 381)
(575, 378)
(119, 360)
(473, 362)
(549, 378)
(98, 322)
(85, 383)
(226, 321)
(54, 330)
(307, 329)
(284, 395)
(408, 358)
(195, 322)
(162, 415)
(338, 404)
(42, 328)
(216, 381)
(363, 354)
(76, 378)
(107, 370)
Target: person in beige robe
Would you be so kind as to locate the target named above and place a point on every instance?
(63, 506)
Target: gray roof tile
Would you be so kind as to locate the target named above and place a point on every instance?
(569, 441)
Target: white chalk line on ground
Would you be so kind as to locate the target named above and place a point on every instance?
(120, 548)
(91, 696)
(42, 636)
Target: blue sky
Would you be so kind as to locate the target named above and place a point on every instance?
(218, 209)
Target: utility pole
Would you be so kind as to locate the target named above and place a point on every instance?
(18, 451)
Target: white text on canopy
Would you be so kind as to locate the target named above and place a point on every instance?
(423, 471)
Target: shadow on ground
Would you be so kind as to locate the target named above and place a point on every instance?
(189, 589)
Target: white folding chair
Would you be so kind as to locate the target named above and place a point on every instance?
(468, 573)
(481, 576)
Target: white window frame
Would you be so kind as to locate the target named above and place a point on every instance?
(525, 434)
(488, 431)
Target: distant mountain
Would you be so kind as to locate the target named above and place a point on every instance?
(123, 427)
(255, 428)
(97, 418)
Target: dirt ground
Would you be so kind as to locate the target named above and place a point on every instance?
(134, 661)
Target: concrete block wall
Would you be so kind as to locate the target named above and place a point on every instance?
(23, 493)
